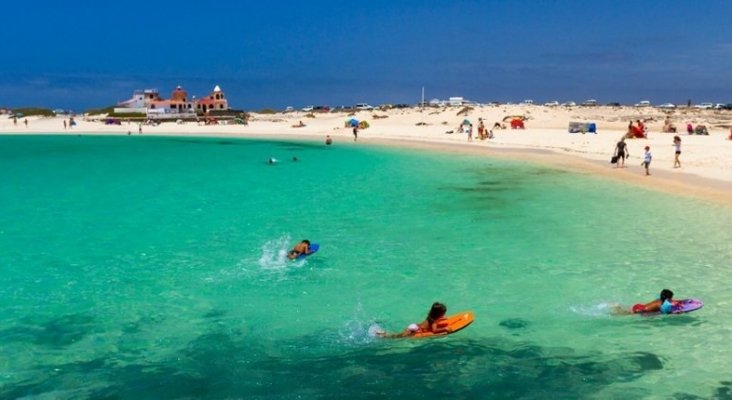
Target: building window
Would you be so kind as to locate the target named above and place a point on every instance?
(152, 106)
(221, 106)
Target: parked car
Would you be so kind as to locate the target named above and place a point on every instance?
(363, 106)
(569, 104)
(551, 104)
(705, 106)
(528, 101)
(589, 103)
(643, 103)
(613, 104)
(289, 109)
(719, 106)
(308, 108)
(669, 106)
(321, 109)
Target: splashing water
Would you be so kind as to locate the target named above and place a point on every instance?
(274, 254)
(360, 329)
(596, 310)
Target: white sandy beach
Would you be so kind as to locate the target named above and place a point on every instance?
(706, 168)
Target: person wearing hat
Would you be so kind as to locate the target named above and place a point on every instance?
(647, 159)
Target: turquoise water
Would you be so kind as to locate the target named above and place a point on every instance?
(143, 267)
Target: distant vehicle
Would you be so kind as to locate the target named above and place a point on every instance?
(704, 106)
(528, 101)
(643, 103)
(727, 106)
(60, 111)
(493, 103)
(552, 104)
(402, 105)
(308, 108)
(569, 104)
(289, 109)
(613, 104)
(589, 103)
(322, 109)
(719, 106)
(669, 106)
(363, 107)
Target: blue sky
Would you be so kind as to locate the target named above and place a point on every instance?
(277, 53)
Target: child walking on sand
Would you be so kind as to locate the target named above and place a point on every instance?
(677, 146)
(647, 159)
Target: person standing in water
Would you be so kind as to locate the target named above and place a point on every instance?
(328, 140)
(677, 147)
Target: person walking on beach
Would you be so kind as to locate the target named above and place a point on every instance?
(25, 121)
(647, 159)
(470, 132)
(64, 123)
(139, 129)
(621, 152)
(677, 147)
(481, 129)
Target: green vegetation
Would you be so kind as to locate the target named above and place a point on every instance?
(100, 111)
(34, 111)
(136, 115)
(267, 111)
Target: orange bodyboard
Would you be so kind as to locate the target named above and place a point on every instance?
(455, 323)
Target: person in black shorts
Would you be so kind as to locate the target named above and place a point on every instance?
(621, 151)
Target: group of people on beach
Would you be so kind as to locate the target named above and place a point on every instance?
(621, 153)
(467, 127)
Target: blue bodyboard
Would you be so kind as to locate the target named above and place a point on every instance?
(313, 249)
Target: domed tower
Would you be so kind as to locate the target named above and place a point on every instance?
(214, 101)
(179, 95)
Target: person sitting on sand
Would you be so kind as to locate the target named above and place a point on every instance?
(668, 126)
(301, 248)
(435, 318)
(299, 125)
(328, 140)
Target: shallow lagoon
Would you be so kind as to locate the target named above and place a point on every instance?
(150, 267)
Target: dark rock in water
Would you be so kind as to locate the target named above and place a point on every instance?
(514, 323)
